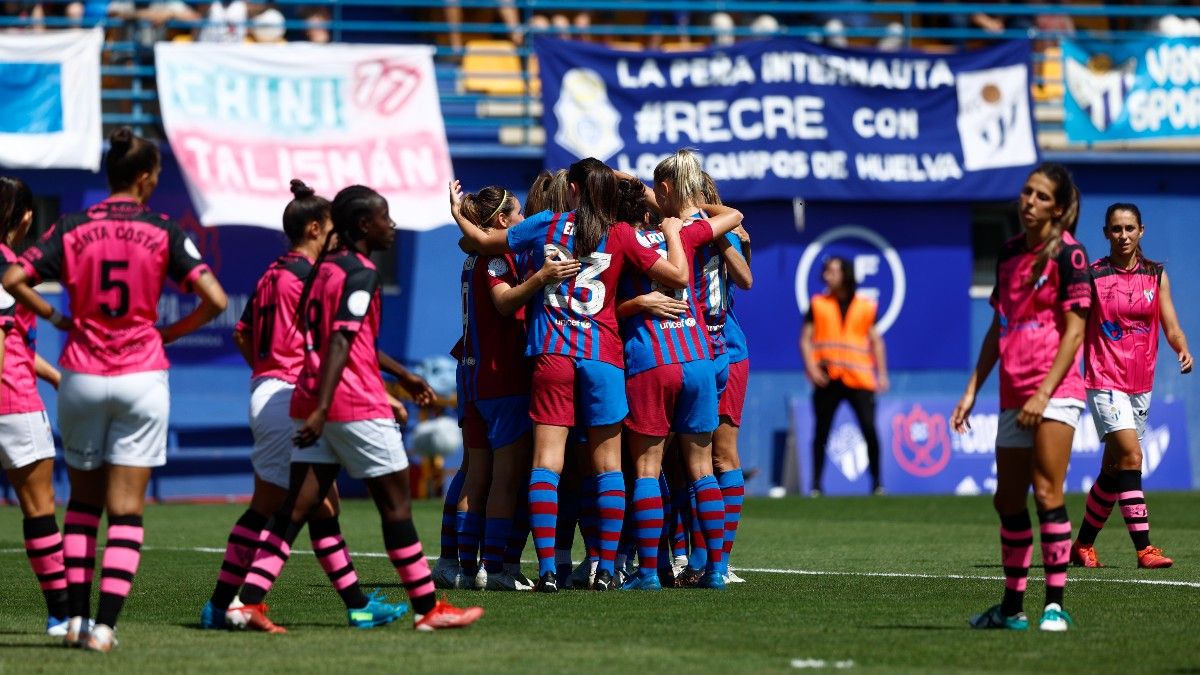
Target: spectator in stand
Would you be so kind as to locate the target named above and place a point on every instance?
(509, 14)
(316, 21)
(836, 26)
(725, 24)
(225, 22)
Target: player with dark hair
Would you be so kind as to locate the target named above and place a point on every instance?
(273, 347)
(1131, 298)
(26, 442)
(494, 377)
(1042, 297)
(113, 399)
(578, 365)
(343, 415)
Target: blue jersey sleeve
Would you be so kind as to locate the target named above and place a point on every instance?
(736, 242)
(530, 233)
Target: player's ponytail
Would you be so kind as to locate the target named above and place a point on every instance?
(708, 188)
(1066, 195)
(548, 193)
(597, 187)
(16, 199)
(129, 156)
(631, 206)
(306, 207)
(483, 207)
(685, 174)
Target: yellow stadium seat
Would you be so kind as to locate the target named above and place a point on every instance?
(1050, 88)
(625, 45)
(682, 46)
(492, 67)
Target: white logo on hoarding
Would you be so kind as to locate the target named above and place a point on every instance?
(587, 121)
(994, 119)
(1098, 89)
(848, 451)
(864, 266)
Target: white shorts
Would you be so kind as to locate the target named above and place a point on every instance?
(25, 438)
(270, 399)
(1115, 410)
(119, 420)
(1009, 435)
(367, 448)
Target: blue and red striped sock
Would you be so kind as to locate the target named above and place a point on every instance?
(711, 511)
(648, 510)
(469, 529)
(610, 503)
(733, 492)
(450, 516)
(543, 515)
(698, 558)
(496, 533)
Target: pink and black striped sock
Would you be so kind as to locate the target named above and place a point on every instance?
(80, 525)
(1056, 551)
(273, 552)
(1016, 554)
(1133, 507)
(404, 550)
(239, 554)
(122, 554)
(44, 548)
(1100, 502)
(334, 557)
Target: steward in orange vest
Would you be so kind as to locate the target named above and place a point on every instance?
(842, 345)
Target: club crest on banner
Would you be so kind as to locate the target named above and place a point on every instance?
(877, 266)
(1099, 86)
(994, 118)
(920, 442)
(587, 121)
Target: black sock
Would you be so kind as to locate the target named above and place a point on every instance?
(1133, 507)
(1016, 544)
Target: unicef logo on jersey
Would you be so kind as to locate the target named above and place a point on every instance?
(587, 121)
(877, 267)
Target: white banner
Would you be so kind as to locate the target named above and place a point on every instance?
(50, 99)
(244, 119)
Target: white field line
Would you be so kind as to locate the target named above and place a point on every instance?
(758, 570)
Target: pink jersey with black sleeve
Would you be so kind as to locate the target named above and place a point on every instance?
(1121, 342)
(18, 386)
(1032, 316)
(492, 350)
(344, 298)
(112, 259)
(269, 321)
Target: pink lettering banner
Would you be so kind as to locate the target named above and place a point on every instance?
(245, 119)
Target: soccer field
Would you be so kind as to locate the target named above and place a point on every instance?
(870, 584)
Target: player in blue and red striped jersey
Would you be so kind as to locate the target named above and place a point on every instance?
(735, 268)
(679, 191)
(494, 392)
(273, 346)
(114, 399)
(671, 387)
(573, 339)
(26, 442)
(343, 415)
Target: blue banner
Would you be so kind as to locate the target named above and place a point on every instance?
(922, 455)
(1128, 90)
(914, 260)
(32, 101)
(784, 117)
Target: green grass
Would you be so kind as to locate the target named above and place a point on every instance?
(834, 613)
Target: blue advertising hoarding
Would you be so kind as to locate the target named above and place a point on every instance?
(783, 117)
(921, 455)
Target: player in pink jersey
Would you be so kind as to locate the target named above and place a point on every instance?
(1041, 302)
(26, 442)
(494, 394)
(672, 386)
(1131, 297)
(273, 347)
(113, 400)
(574, 340)
(342, 413)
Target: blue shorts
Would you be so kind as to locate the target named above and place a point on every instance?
(569, 391)
(676, 397)
(495, 422)
(721, 368)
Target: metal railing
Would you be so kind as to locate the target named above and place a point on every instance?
(481, 123)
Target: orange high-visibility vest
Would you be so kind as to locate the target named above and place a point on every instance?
(843, 345)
